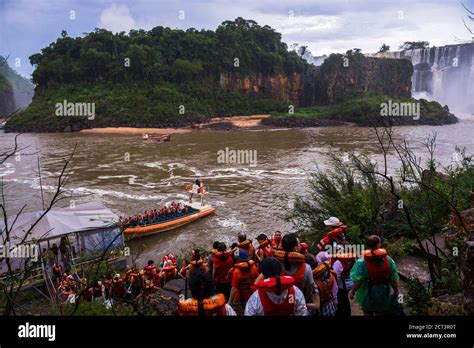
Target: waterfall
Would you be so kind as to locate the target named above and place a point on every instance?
(444, 74)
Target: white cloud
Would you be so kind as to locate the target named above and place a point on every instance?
(116, 18)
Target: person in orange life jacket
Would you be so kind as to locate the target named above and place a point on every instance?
(150, 269)
(196, 262)
(168, 272)
(275, 240)
(276, 295)
(203, 303)
(264, 247)
(324, 297)
(211, 254)
(373, 276)
(117, 289)
(222, 262)
(294, 264)
(336, 235)
(243, 276)
(342, 267)
(246, 244)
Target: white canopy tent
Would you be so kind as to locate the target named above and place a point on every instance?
(57, 222)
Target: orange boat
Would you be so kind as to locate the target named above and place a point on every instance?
(161, 138)
(197, 211)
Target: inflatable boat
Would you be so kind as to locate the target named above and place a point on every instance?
(195, 212)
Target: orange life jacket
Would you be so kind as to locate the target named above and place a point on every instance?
(294, 258)
(246, 272)
(222, 262)
(170, 272)
(276, 284)
(248, 247)
(214, 305)
(325, 288)
(378, 266)
(275, 245)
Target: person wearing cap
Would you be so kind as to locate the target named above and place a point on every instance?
(276, 295)
(264, 248)
(335, 236)
(243, 275)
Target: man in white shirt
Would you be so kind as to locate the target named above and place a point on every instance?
(276, 295)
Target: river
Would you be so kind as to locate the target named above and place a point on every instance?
(129, 175)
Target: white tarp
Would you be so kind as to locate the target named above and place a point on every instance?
(57, 222)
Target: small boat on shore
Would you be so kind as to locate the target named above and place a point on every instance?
(161, 138)
(161, 224)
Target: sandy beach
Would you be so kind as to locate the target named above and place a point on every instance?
(250, 121)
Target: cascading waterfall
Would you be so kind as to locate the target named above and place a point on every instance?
(444, 74)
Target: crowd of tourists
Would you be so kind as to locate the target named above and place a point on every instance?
(279, 275)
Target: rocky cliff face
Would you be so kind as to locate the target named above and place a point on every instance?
(333, 81)
(271, 86)
(338, 78)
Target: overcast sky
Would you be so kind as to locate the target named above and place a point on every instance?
(326, 26)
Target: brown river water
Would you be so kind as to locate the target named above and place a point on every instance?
(244, 195)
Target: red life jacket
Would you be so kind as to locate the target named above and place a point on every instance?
(266, 248)
(149, 270)
(222, 262)
(378, 266)
(293, 258)
(287, 307)
(347, 265)
(97, 292)
(118, 289)
(334, 235)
